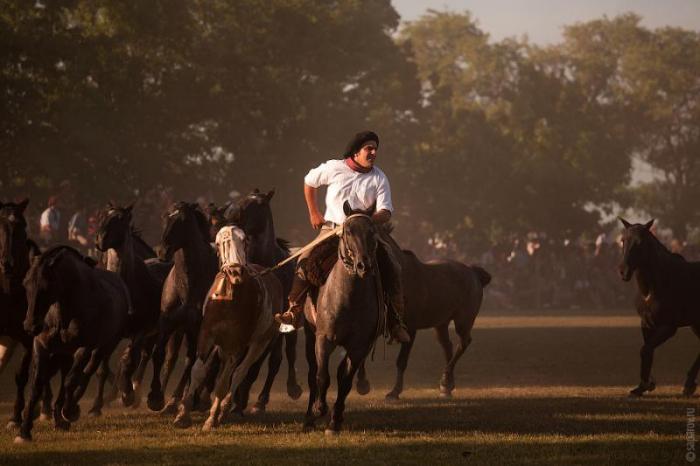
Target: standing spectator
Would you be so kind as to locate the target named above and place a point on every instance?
(50, 222)
(78, 230)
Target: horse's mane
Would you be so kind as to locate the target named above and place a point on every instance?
(660, 247)
(136, 235)
(56, 250)
(202, 223)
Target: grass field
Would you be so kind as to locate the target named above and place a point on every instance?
(530, 390)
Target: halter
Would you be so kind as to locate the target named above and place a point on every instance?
(344, 252)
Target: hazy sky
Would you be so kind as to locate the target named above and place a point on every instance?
(542, 20)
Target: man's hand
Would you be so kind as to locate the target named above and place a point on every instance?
(316, 220)
(315, 216)
(381, 217)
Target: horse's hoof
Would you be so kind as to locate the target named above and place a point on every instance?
(444, 393)
(169, 409)
(363, 387)
(136, 403)
(71, 413)
(294, 391)
(330, 432)
(43, 417)
(258, 408)
(95, 413)
(182, 422)
(128, 399)
(209, 425)
(392, 397)
(61, 424)
(156, 401)
(689, 390)
(12, 425)
(19, 439)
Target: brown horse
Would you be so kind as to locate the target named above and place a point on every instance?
(437, 293)
(239, 326)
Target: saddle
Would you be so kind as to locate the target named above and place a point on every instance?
(223, 286)
(320, 262)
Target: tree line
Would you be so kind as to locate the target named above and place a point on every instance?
(481, 139)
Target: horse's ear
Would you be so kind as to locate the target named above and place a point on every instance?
(269, 194)
(649, 224)
(347, 209)
(23, 205)
(625, 223)
(256, 191)
(129, 208)
(110, 204)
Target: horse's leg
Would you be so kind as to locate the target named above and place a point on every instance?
(448, 377)
(156, 399)
(324, 348)
(192, 334)
(362, 385)
(242, 394)
(64, 363)
(652, 340)
(273, 366)
(401, 364)
(294, 390)
(137, 378)
(172, 353)
(443, 335)
(691, 384)
(21, 379)
(39, 378)
(46, 400)
(220, 391)
(199, 373)
(102, 376)
(99, 362)
(7, 349)
(75, 377)
(129, 361)
(346, 372)
(255, 350)
(202, 397)
(310, 352)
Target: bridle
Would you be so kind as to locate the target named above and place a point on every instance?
(344, 253)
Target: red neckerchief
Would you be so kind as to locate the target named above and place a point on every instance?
(354, 166)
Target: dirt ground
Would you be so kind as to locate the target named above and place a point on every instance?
(531, 389)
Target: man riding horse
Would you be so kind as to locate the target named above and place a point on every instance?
(356, 179)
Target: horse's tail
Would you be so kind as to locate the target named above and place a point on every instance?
(484, 276)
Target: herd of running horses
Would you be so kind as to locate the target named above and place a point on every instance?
(70, 312)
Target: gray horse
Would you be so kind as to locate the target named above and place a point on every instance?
(347, 314)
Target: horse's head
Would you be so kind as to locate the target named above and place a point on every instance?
(358, 241)
(13, 240)
(253, 212)
(637, 243)
(43, 287)
(217, 217)
(115, 225)
(183, 221)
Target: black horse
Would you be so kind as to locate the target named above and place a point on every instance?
(667, 299)
(254, 215)
(186, 240)
(16, 254)
(125, 253)
(78, 314)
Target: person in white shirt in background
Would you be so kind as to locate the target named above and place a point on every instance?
(355, 179)
(49, 222)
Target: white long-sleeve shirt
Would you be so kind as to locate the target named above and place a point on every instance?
(361, 190)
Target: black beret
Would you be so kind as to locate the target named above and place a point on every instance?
(358, 141)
